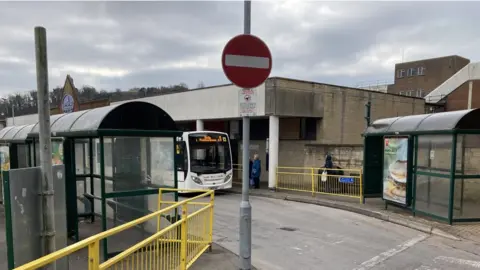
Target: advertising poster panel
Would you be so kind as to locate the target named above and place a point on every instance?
(57, 152)
(395, 164)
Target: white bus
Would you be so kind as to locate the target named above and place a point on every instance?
(204, 160)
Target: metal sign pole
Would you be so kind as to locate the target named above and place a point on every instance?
(245, 207)
(48, 215)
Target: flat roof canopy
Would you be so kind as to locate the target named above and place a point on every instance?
(444, 121)
(129, 116)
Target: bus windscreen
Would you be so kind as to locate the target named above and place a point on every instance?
(209, 153)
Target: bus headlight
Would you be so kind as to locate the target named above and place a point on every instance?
(228, 177)
(197, 180)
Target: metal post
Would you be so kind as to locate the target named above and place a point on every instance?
(245, 207)
(92, 187)
(45, 142)
(368, 106)
(453, 163)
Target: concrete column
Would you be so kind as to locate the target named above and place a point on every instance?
(273, 134)
(470, 87)
(199, 125)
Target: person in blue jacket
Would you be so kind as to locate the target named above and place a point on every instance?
(256, 171)
(250, 164)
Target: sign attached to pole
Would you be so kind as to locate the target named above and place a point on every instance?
(246, 61)
(247, 102)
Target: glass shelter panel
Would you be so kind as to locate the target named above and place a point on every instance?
(468, 154)
(432, 186)
(466, 198)
(434, 153)
(138, 163)
(5, 156)
(81, 157)
(161, 162)
(5, 163)
(82, 170)
(57, 152)
(432, 195)
(23, 155)
(139, 166)
(108, 158)
(467, 180)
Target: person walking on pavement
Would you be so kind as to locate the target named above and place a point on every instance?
(256, 171)
(328, 166)
(328, 162)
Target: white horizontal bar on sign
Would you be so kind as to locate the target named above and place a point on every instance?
(233, 60)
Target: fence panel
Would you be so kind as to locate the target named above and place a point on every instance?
(176, 246)
(335, 182)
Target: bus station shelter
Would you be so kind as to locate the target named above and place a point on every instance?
(442, 157)
(15, 149)
(116, 158)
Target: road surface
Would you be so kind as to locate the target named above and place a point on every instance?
(296, 236)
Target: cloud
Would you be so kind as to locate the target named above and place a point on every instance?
(125, 44)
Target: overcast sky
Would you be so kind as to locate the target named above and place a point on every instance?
(112, 45)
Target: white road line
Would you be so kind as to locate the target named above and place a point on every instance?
(247, 61)
(474, 264)
(424, 267)
(390, 253)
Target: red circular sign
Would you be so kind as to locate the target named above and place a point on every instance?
(246, 61)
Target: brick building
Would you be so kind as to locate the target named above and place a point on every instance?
(453, 94)
(419, 78)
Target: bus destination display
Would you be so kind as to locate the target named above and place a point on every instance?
(207, 138)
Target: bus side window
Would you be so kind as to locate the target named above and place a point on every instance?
(180, 156)
(185, 158)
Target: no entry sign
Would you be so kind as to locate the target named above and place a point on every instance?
(246, 61)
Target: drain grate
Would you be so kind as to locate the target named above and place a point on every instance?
(288, 229)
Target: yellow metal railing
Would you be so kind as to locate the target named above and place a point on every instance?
(175, 245)
(314, 181)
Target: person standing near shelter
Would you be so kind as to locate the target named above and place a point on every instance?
(256, 171)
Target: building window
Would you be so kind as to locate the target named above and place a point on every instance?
(401, 93)
(308, 129)
(408, 93)
(411, 72)
(420, 93)
(420, 71)
(400, 73)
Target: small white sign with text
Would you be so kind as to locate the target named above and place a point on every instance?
(247, 102)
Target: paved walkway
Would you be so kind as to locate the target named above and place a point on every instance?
(375, 207)
(219, 259)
